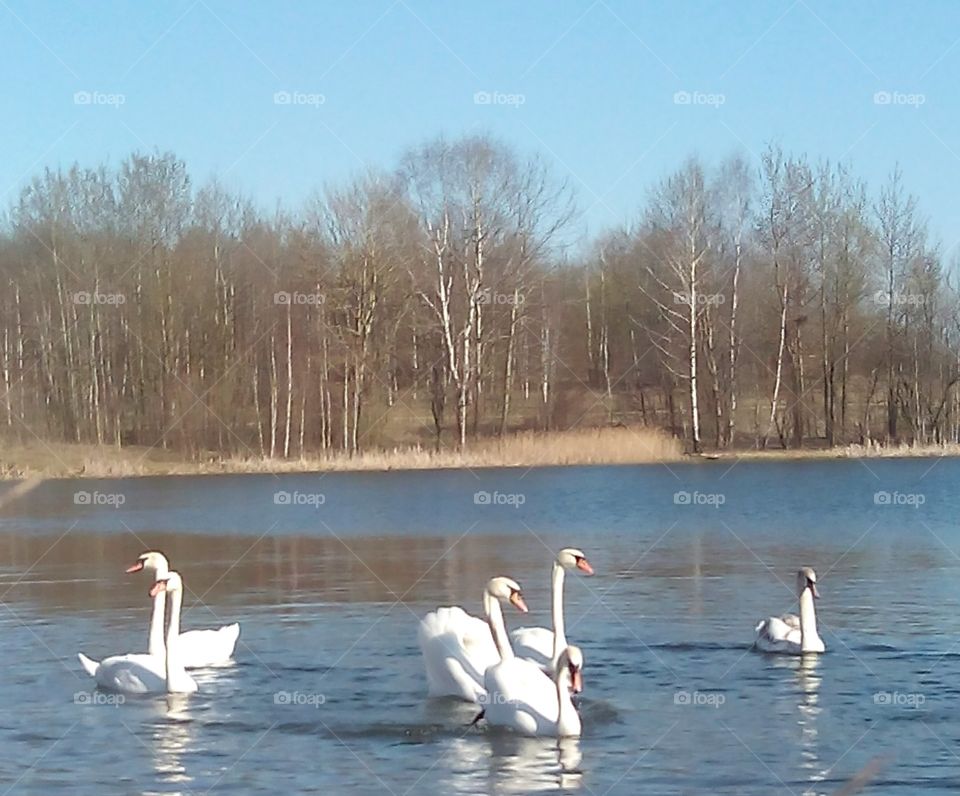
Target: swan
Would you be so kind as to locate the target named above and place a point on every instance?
(523, 698)
(538, 643)
(198, 648)
(144, 673)
(458, 648)
(791, 634)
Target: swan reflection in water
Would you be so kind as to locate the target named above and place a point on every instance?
(514, 764)
(525, 765)
(171, 738)
(809, 710)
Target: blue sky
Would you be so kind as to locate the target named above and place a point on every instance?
(591, 85)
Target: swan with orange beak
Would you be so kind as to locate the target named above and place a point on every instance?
(198, 648)
(540, 644)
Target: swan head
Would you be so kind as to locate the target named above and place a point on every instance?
(170, 582)
(572, 558)
(152, 561)
(571, 662)
(807, 579)
(506, 589)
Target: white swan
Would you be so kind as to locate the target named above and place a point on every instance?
(538, 643)
(523, 698)
(791, 634)
(149, 674)
(198, 648)
(458, 648)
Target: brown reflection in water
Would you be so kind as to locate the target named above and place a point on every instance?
(85, 571)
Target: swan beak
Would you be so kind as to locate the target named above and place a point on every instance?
(576, 680)
(813, 588)
(584, 565)
(156, 588)
(135, 567)
(517, 600)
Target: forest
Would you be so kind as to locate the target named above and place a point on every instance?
(453, 296)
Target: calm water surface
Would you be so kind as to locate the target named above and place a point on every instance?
(328, 574)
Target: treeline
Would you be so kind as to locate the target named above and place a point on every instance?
(752, 304)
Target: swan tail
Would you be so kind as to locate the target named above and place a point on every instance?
(232, 634)
(89, 666)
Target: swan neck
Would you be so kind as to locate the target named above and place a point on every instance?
(173, 665)
(568, 720)
(495, 619)
(809, 637)
(155, 642)
(559, 628)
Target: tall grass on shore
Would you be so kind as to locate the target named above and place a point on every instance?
(527, 449)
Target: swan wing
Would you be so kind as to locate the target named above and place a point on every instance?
(457, 649)
(200, 648)
(533, 643)
(132, 674)
(778, 634)
(790, 620)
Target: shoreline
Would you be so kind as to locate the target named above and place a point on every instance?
(582, 448)
(872, 452)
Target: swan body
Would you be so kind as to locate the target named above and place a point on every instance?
(522, 698)
(539, 644)
(458, 648)
(198, 648)
(145, 673)
(203, 648)
(137, 673)
(790, 634)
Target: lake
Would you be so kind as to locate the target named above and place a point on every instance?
(328, 575)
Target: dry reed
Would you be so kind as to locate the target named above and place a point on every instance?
(528, 449)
